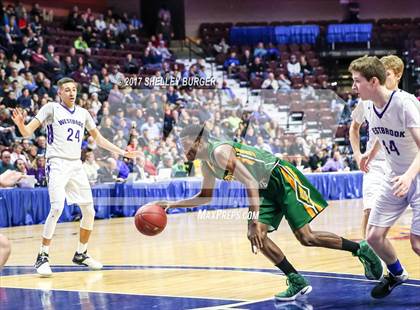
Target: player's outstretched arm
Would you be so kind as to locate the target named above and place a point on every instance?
(19, 120)
(107, 145)
(225, 157)
(403, 182)
(202, 198)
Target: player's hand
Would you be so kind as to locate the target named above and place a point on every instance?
(401, 185)
(10, 177)
(133, 154)
(256, 236)
(17, 117)
(364, 162)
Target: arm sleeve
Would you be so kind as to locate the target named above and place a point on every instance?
(358, 114)
(45, 112)
(412, 113)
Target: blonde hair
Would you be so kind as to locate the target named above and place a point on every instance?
(394, 63)
(369, 67)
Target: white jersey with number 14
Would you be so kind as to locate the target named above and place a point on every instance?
(390, 124)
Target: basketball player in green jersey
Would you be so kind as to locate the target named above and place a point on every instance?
(275, 189)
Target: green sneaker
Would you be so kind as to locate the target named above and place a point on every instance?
(296, 286)
(371, 262)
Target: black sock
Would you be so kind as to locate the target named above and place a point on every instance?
(286, 267)
(350, 246)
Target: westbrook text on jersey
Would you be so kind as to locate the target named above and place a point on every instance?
(386, 131)
(71, 121)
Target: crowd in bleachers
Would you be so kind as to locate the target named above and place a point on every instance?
(98, 51)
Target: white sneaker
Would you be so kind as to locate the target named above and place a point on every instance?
(83, 259)
(42, 265)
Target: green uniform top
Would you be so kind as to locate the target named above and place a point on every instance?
(259, 163)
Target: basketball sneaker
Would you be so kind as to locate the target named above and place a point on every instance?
(297, 287)
(83, 259)
(371, 262)
(42, 265)
(388, 283)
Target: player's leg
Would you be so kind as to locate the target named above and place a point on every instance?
(5, 250)
(387, 210)
(57, 178)
(270, 216)
(365, 219)
(78, 191)
(302, 203)
(372, 184)
(308, 237)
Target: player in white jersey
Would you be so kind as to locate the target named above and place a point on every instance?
(395, 121)
(66, 124)
(372, 180)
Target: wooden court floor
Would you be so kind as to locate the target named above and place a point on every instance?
(198, 256)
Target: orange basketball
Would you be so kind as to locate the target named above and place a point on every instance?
(150, 220)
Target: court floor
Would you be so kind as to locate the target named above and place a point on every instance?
(199, 261)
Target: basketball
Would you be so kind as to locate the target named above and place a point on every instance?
(150, 220)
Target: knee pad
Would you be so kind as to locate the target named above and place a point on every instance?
(88, 216)
(51, 221)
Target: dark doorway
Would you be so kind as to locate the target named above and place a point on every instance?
(149, 16)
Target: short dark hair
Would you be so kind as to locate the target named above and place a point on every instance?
(198, 132)
(65, 80)
(369, 67)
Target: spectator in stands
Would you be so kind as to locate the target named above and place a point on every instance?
(270, 82)
(130, 64)
(305, 68)
(91, 167)
(115, 77)
(317, 159)
(80, 44)
(41, 143)
(17, 153)
(260, 51)
(272, 52)
(5, 163)
(138, 166)
(222, 47)
(334, 164)
(246, 60)
(284, 83)
(136, 22)
(307, 91)
(38, 170)
(109, 172)
(163, 52)
(152, 128)
(231, 63)
(257, 69)
(20, 166)
(293, 66)
(262, 145)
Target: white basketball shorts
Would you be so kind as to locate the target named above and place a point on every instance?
(372, 182)
(67, 179)
(389, 208)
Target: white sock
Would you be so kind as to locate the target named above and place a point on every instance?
(44, 249)
(81, 247)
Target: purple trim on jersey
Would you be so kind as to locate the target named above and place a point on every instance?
(380, 114)
(48, 169)
(65, 107)
(50, 134)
